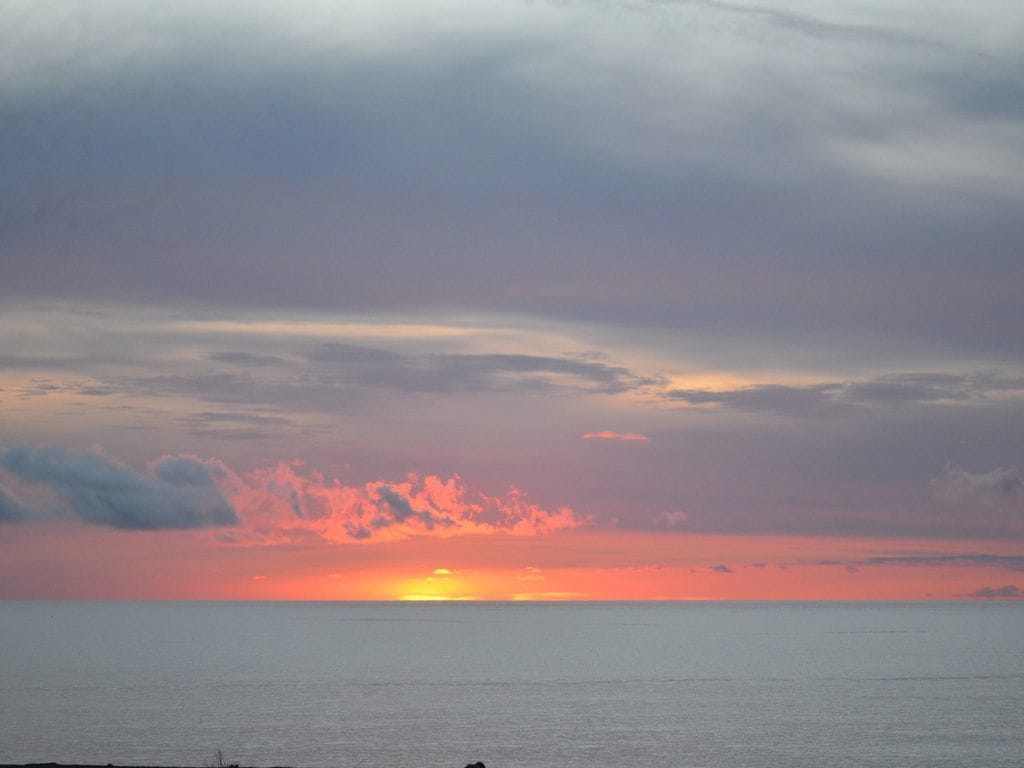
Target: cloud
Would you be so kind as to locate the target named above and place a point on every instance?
(531, 573)
(1013, 562)
(178, 492)
(10, 510)
(389, 398)
(528, 158)
(538, 369)
(629, 437)
(284, 503)
(847, 397)
(764, 397)
(720, 569)
(336, 377)
(235, 425)
(674, 518)
(1001, 490)
(451, 372)
(816, 27)
(1010, 590)
(247, 359)
(281, 504)
(400, 509)
(355, 354)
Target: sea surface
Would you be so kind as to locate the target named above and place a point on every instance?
(339, 685)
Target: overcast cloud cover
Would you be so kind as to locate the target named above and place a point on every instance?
(687, 164)
(765, 258)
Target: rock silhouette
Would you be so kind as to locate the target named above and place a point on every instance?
(476, 765)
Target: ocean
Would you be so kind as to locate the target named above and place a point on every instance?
(520, 685)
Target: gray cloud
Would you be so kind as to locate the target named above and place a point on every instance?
(395, 509)
(215, 386)
(397, 505)
(766, 397)
(1010, 562)
(334, 352)
(815, 27)
(1001, 490)
(337, 377)
(49, 362)
(598, 377)
(514, 167)
(1010, 590)
(239, 417)
(372, 367)
(10, 510)
(180, 493)
(838, 398)
(235, 425)
(1013, 562)
(246, 359)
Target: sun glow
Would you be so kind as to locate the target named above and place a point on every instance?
(441, 585)
(434, 598)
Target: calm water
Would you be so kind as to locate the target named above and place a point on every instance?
(568, 685)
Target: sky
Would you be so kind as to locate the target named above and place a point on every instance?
(510, 299)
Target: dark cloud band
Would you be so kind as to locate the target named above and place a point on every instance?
(180, 492)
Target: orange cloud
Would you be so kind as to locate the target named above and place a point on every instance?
(629, 437)
(284, 504)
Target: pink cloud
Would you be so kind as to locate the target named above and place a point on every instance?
(285, 504)
(630, 437)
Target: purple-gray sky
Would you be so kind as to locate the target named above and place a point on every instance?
(782, 241)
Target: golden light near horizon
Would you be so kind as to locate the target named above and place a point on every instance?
(443, 584)
(434, 599)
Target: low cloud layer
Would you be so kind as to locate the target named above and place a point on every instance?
(276, 505)
(177, 492)
(1000, 491)
(1010, 590)
(285, 502)
(1011, 562)
(372, 367)
(860, 451)
(628, 437)
(846, 397)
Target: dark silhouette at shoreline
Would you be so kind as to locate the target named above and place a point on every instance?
(477, 764)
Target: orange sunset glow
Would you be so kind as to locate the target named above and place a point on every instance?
(568, 564)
